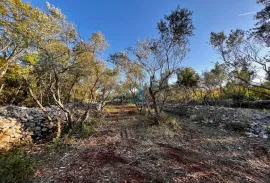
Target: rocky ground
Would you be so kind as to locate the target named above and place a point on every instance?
(127, 148)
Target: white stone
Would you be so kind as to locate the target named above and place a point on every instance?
(265, 136)
(44, 129)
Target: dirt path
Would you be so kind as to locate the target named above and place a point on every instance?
(129, 149)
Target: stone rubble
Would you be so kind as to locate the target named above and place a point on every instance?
(253, 122)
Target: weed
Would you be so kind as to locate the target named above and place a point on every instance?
(266, 111)
(87, 130)
(172, 122)
(84, 130)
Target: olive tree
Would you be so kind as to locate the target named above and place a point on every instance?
(160, 58)
(243, 57)
(262, 29)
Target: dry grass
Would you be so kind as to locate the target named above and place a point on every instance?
(129, 149)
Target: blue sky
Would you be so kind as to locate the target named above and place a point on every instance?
(123, 22)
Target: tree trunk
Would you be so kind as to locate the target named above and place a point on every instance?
(67, 99)
(156, 115)
(59, 127)
(16, 94)
(69, 119)
(92, 96)
(1, 88)
(85, 117)
(100, 106)
(4, 69)
(147, 101)
(39, 104)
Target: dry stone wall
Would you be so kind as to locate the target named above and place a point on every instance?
(19, 124)
(11, 132)
(252, 122)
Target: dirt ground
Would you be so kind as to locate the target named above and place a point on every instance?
(129, 149)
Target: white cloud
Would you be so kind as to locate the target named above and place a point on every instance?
(249, 13)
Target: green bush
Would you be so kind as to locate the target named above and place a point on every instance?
(84, 130)
(16, 166)
(87, 130)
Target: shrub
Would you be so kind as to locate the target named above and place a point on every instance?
(84, 130)
(16, 166)
(267, 129)
(77, 132)
(172, 122)
(87, 130)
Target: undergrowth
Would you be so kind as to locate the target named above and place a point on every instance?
(78, 132)
(16, 166)
(83, 130)
(168, 120)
